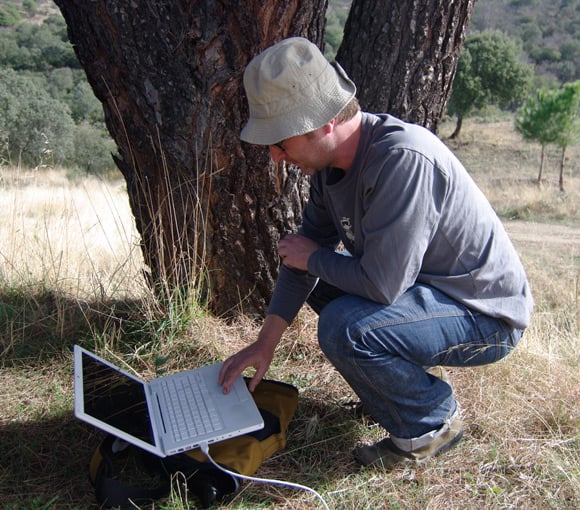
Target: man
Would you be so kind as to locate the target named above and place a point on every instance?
(429, 276)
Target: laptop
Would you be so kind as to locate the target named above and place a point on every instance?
(167, 415)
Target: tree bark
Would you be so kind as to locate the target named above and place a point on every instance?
(403, 55)
(169, 74)
(542, 159)
(458, 126)
(210, 209)
(561, 176)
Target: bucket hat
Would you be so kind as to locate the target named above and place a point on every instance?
(291, 90)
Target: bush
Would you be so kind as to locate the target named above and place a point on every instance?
(546, 55)
(489, 72)
(37, 47)
(9, 15)
(84, 105)
(37, 129)
(34, 127)
(93, 149)
(29, 6)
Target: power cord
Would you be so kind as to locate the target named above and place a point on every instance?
(205, 449)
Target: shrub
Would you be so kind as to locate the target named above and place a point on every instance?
(9, 15)
(34, 127)
(93, 149)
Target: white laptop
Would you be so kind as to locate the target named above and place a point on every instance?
(164, 416)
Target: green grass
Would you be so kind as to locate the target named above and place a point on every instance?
(70, 272)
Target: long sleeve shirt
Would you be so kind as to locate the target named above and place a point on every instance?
(407, 211)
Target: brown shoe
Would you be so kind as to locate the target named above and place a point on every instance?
(439, 372)
(387, 455)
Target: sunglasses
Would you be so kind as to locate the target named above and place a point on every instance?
(279, 145)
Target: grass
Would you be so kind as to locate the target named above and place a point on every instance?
(71, 271)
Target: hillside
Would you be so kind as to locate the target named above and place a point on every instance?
(31, 11)
(548, 30)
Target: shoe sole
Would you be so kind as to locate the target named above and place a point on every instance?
(446, 447)
(410, 461)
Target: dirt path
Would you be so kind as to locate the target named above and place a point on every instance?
(525, 232)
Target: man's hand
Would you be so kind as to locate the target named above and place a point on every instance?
(295, 250)
(257, 355)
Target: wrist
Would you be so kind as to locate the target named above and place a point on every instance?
(272, 331)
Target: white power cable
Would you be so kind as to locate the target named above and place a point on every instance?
(205, 449)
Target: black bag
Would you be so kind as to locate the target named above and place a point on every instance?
(115, 461)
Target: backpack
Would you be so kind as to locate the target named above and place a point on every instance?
(124, 475)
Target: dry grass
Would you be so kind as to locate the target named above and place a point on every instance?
(70, 272)
(506, 169)
(76, 237)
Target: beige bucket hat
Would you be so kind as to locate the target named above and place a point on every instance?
(292, 89)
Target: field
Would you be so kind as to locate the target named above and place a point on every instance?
(71, 271)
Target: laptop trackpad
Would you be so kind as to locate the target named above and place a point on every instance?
(240, 390)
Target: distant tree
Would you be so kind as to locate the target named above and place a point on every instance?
(531, 34)
(543, 54)
(93, 149)
(551, 117)
(547, 28)
(34, 127)
(332, 39)
(60, 82)
(84, 105)
(490, 72)
(29, 6)
(9, 15)
(570, 50)
(533, 121)
(568, 112)
(37, 47)
(336, 16)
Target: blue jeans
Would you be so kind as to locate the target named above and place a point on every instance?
(383, 350)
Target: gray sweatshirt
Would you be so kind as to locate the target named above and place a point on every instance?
(407, 211)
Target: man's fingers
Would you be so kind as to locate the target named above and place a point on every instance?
(223, 371)
(256, 378)
(227, 375)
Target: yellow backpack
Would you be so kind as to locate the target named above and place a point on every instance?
(118, 470)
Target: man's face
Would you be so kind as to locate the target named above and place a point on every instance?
(310, 152)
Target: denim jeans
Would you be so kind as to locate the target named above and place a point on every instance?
(383, 351)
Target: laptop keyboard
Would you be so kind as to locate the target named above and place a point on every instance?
(192, 413)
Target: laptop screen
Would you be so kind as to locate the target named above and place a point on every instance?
(115, 399)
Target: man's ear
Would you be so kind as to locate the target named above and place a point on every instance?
(329, 126)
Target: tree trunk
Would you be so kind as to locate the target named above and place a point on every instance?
(458, 126)
(209, 208)
(403, 55)
(561, 178)
(542, 160)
